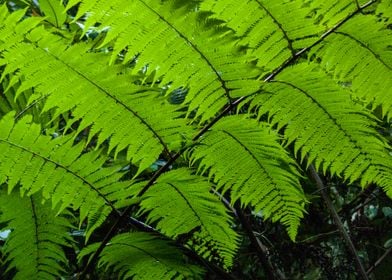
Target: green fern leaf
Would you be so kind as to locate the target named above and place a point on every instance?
(384, 10)
(245, 157)
(54, 11)
(362, 43)
(273, 30)
(180, 203)
(134, 117)
(326, 125)
(172, 39)
(13, 27)
(57, 168)
(34, 245)
(139, 255)
(329, 13)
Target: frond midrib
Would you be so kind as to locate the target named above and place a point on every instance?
(275, 186)
(361, 44)
(36, 237)
(277, 23)
(54, 13)
(194, 47)
(116, 100)
(141, 250)
(187, 202)
(333, 119)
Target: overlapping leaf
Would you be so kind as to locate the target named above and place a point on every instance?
(359, 55)
(245, 157)
(170, 38)
(139, 255)
(180, 203)
(326, 125)
(57, 169)
(134, 117)
(273, 30)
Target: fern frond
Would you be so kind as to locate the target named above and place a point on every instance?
(54, 11)
(7, 100)
(384, 10)
(181, 203)
(13, 27)
(359, 54)
(34, 245)
(329, 13)
(273, 30)
(58, 169)
(326, 125)
(245, 157)
(106, 98)
(138, 255)
(173, 40)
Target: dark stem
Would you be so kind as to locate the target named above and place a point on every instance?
(338, 222)
(361, 198)
(366, 202)
(387, 252)
(260, 249)
(30, 106)
(317, 237)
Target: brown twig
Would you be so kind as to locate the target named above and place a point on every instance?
(338, 222)
(260, 249)
(362, 197)
(386, 253)
(313, 238)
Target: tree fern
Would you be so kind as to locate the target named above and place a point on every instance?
(34, 246)
(170, 94)
(91, 79)
(271, 35)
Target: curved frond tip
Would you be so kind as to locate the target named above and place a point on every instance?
(181, 204)
(144, 256)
